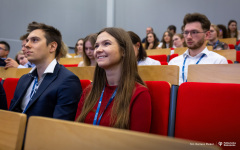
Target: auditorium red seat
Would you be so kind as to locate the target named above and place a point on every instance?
(231, 46)
(161, 58)
(70, 65)
(230, 62)
(160, 95)
(164, 63)
(173, 55)
(208, 112)
(85, 83)
(238, 56)
(9, 86)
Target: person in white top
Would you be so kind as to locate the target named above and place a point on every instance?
(166, 41)
(140, 52)
(196, 31)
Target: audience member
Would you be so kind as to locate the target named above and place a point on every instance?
(11, 63)
(49, 90)
(140, 52)
(196, 32)
(124, 101)
(172, 29)
(151, 41)
(148, 30)
(88, 50)
(3, 99)
(222, 31)
(79, 48)
(178, 41)
(213, 39)
(63, 52)
(232, 30)
(166, 41)
(4, 51)
(21, 59)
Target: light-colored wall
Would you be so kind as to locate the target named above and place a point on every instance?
(78, 18)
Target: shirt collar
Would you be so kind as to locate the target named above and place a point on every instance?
(50, 68)
(205, 51)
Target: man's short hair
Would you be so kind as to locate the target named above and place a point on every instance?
(7, 46)
(197, 17)
(172, 27)
(51, 34)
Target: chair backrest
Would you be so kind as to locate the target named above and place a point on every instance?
(48, 134)
(164, 63)
(208, 112)
(229, 54)
(173, 56)
(230, 62)
(180, 50)
(217, 73)
(160, 58)
(238, 56)
(12, 128)
(70, 65)
(229, 40)
(70, 60)
(85, 83)
(83, 73)
(169, 73)
(9, 86)
(13, 72)
(165, 51)
(231, 46)
(160, 98)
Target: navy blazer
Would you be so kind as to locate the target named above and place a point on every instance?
(3, 100)
(57, 96)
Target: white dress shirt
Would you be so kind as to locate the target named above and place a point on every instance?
(148, 61)
(209, 58)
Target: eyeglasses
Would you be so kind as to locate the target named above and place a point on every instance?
(193, 33)
(2, 48)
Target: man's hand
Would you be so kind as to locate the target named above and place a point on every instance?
(10, 63)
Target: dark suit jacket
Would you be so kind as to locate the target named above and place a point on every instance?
(57, 96)
(3, 100)
(2, 62)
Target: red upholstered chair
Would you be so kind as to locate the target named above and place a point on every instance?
(208, 112)
(230, 62)
(161, 58)
(231, 46)
(9, 86)
(85, 83)
(164, 63)
(70, 65)
(0, 80)
(238, 56)
(173, 55)
(160, 95)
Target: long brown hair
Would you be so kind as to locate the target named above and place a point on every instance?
(129, 76)
(229, 31)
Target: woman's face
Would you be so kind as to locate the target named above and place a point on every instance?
(22, 59)
(167, 37)
(80, 47)
(232, 27)
(89, 50)
(177, 41)
(107, 52)
(150, 38)
(213, 34)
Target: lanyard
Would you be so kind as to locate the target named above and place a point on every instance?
(215, 45)
(95, 122)
(183, 67)
(32, 92)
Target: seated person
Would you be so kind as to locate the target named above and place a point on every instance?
(151, 41)
(3, 99)
(213, 39)
(140, 52)
(166, 41)
(78, 49)
(118, 97)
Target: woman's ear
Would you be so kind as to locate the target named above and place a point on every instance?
(138, 45)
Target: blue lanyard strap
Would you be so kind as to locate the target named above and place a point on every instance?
(32, 92)
(183, 67)
(95, 121)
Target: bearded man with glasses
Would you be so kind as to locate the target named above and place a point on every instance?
(196, 32)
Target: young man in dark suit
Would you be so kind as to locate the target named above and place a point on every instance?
(49, 90)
